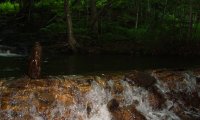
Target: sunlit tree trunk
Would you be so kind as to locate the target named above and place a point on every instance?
(71, 40)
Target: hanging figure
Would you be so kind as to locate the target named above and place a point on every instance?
(35, 62)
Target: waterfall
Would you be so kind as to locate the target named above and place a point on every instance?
(173, 96)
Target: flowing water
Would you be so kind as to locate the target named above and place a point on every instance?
(165, 95)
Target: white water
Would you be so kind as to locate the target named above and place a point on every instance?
(99, 97)
(9, 54)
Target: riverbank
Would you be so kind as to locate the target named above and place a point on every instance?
(112, 47)
(154, 94)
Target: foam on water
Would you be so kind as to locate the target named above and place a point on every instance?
(140, 94)
(97, 99)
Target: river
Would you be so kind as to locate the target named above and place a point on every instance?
(83, 64)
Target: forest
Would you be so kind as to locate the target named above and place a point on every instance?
(136, 27)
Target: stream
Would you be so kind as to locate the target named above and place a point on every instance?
(83, 64)
(101, 87)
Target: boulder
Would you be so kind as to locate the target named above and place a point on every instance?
(140, 79)
(170, 78)
(156, 99)
(125, 112)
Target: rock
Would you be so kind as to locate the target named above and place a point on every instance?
(101, 81)
(117, 88)
(4, 105)
(17, 84)
(127, 113)
(156, 100)
(28, 117)
(45, 98)
(198, 80)
(124, 113)
(170, 78)
(140, 79)
(65, 99)
(89, 109)
(113, 105)
(38, 83)
(1, 83)
(84, 88)
(182, 114)
(186, 105)
(196, 72)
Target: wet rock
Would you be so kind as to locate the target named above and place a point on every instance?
(45, 98)
(198, 80)
(196, 72)
(127, 113)
(18, 84)
(65, 99)
(182, 113)
(117, 88)
(100, 81)
(114, 76)
(38, 83)
(186, 99)
(113, 105)
(84, 88)
(186, 105)
(170, 78)
(140, 79)
(27, 117)
(1, 83)
(156, 100)
(124, 113)
(89, 109)
(5, 105)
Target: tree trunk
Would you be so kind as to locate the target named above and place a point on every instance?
(166, 2)
(26, 8)
(71, 40)
(102, 12)
(148, 4)
(137, 17)
(190, 22)
(94, 26)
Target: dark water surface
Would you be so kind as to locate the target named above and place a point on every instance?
(81, 64)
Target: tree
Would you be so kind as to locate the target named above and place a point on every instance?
(93, 8)
(190, 20)
(26, 7)
(71, 40)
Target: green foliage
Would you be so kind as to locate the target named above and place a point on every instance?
(8, 7)
(100, 3)
(49, 3)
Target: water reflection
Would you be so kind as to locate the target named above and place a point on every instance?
(79, 64)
